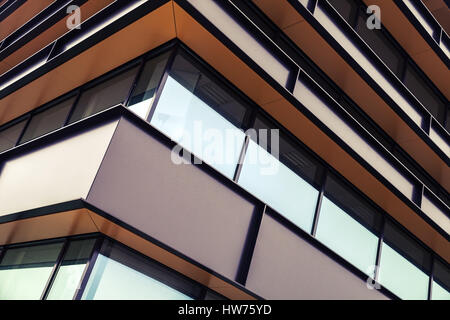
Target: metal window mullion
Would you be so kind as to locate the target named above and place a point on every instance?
(379, 248)
(162, 82)
(88, 269)
(135, 81)
(72, 109)
(431, 278)
(52, 276)
(25, 127)
(319, 202)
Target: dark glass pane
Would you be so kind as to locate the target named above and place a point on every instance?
(104, 95)
(212, 295)
(424, 93)
(346, 8)
(353, 204)
(290, 153)
(48, 120)
(71, 269)
(120, 273)
(144, 93)
(208, 91)
(10, 136)
(24, 271)
(380, 44)
(407, 246)
(441, 281)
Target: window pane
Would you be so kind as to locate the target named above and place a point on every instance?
(346, 8)
(401, 277)
(441, 283)
(424, 93)
(404, 265)
(121, 274)
(145, 90)
(71, 269)
(48, 120)
(201, 117)
(347, 237)
(281, 188)
(24, 271)
(9, 136)
(104, 95)
(380, 44)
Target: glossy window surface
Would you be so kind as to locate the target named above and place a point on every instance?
(404, 264)
(104, 95)
(440, 289)
(24, 271)
(200, 116)
(47, 120)
(274, 176)
(71, 269)
(121, 274)
(10, 136)
(145, 91)
(347, 237)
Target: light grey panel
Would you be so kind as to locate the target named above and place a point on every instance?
(56, 173)
(284, 266)
(180, 205)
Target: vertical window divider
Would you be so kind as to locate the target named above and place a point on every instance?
(2, 253)
(55, 269)
(319, 202)
(162, 82)
(431, 278)
(248, 123)
(88, 269)
(22, 133)
(250, 243)
(72, 108)
(379, 248)
(135, 81)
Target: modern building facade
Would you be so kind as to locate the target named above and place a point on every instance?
(206, 149)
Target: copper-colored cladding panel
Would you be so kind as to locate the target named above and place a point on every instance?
(317, 48)
(440, 11)
(58, 29)
(413, 42)
(167, 258)
(282, 12)
(224, 61)
(154, 29)
(21, 15)
(47, 227)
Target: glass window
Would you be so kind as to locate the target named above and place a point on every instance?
(274, 177)
(423, 92)
(71, 269)
(404, 264)
(104, 95)
(349, 226)
(440, 289)
(10, 136)
(25, 271)
(380, 44)
(144, 93)
(47, 120)
(201, 116)
(346, 8)
(122, 274)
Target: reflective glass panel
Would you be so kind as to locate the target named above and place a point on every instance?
(48, 120)
(25, 271)
(121, 274)
(10, 136)
(71, 269)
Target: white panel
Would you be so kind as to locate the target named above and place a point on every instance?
(440, 141)
(351, 138)
(436, 214)
(419, 16)
(60, 172)
(236, 33)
